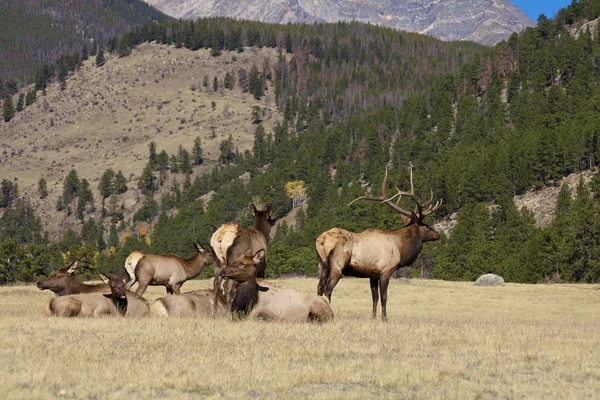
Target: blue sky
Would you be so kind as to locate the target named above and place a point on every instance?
(533, 8)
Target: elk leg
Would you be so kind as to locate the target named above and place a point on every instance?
(323, 275)
(129, 284)
(375, 295)
(216, 288)
(176, 288)
(334, 277)
(383, 286)
(142, 286)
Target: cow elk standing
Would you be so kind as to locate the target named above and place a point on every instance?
(260, 299)
(117, 302)
(375, 253)
(168, 270)
(231, 241)
(64, 282)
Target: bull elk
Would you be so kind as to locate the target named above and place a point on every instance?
(198, 303)
(260, 299)
(63, 282)
(231, 241)
(168, 270)
(375, 253)
(118, 301)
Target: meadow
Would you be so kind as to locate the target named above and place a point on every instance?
(443, 340)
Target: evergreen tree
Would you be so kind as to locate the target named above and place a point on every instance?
(71, 186)
(100, 60)
(152, 157)
(84, 52)
(8, 109)
(226, 147)
(147, 182)
(174, 163)
(20, 102)
(197, 153)
(9, 193)
(42, 188)
(255, 83)
(106, 185)
(113, 236)
(215, 84)
(120, 183)
(31, 97)
(84, 197)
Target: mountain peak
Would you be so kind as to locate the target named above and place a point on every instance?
(483, 21)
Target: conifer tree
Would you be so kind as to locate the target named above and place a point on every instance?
(100, 60)
(7, 109)
(20, 102)
(120, 183)
(146, 182)
(197, 153)
(106, 185)
(42, 188)
(70, 187)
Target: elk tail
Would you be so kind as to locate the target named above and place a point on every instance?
(49, 308)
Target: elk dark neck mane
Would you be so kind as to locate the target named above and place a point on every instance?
(246, 296)
(263, 226)
(121, 305)
(411, 244)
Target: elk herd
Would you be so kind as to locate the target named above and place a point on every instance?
(240, 259)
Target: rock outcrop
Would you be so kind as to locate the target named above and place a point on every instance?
(482, 21)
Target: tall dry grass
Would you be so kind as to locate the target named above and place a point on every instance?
(443, 340)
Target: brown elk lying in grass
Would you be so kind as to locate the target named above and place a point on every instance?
(374, 253)
(168, 270)
(198, 303)
(63, 282)
(231, 241)
(118, 302)
(266, 301)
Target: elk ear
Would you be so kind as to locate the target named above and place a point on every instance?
(269, 208)
(199, 248)
(253, 209)
(258, 256)
(72, 267)
(405, 219)
(104, 278)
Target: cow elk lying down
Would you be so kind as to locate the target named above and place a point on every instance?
(198, 303)
(118, 302)
(64, 282)
(168, 270)
(260, 299)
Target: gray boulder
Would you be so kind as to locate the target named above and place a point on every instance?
(489, 280)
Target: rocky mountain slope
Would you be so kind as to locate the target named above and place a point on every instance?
(482, 21)
(107, 116)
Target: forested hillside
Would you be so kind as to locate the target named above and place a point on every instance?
(34, 33)
(479, 127)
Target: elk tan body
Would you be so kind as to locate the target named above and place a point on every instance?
(373, 253)
(63, 282)
(168, 270)
(260, 299)
(97, 305)
(198, 303)
(231, 241)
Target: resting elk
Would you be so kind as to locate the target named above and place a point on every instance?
(168, 270)
(231, 241)
(64, 282)
(198, 303)
(117, 302)
(375, 253)
(260, 299)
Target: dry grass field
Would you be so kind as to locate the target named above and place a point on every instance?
(443, 340)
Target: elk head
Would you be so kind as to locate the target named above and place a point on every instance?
(243, 268)
(208, 255)
(118, 292)
(59, 280)
(409, 218)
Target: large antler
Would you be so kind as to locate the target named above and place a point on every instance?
(389, 201)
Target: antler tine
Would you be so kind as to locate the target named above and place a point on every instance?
(434, 208)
